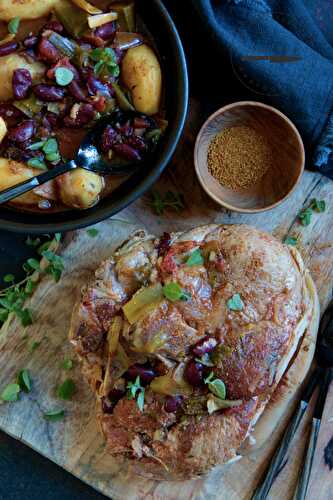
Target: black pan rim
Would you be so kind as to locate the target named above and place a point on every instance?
(102, 213)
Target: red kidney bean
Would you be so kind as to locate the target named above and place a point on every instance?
(194, 373)
(50, 120)
(164, 244)
(22, 82)
(109, 138)
(205, 345)
(85, 114)
(108, 403)
(54, 26)
(77, 91)
(99, 104)
(30, 41)
(172, 403)
(93, 40)
(145, 373)
(140, 123)
(125, 129)
(107, 31)
(137, 143)
(127, 152)
(8, 48)
(7, 111)
(22, 132)
(48, 52)
(48, 93)
(95, 86)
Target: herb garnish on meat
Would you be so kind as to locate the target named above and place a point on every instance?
(173, 292)
(136, 391)
(235, 303)
(195, 259)
(216, 386)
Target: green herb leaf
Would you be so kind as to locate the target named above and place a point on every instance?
(67, 364)
(318, 205)
(34, 264)
(11, 393)
(235, 303)
(36, 163)
(66, 389)
(54, 415)
(106, 61)
(50, 146)
(3, 315)
(305, 216)
(34, 345)
(195, 259)
(141, 400)
(32, 242)
(25, 316)
(290, 240)
(92, 232)
(174, 201)
(30, 287)
(64, 76)
(36, 146)
(9, 278)
(13, 25)
(24, 381)
(135, 390)
(56, 266)
(173, 292)
(216, 386)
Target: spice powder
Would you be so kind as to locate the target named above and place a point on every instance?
(239, 156)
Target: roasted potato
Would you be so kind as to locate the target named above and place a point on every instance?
(7, 67)
(13, 172)
(142, 75)
(80, 188)
(25, 9)
(3, 129)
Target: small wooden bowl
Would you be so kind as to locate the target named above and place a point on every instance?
(282, 176)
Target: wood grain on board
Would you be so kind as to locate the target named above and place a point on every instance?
(75, 442)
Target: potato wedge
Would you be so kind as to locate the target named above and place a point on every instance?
(3, 129)
(80, 188)
(13, 172)
(142, 75)
(7, 67)
(25, 9)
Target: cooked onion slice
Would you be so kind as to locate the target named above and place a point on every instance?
(87, 7)
(143, 302)
(9, 38)
(216, 404)
(100, 19)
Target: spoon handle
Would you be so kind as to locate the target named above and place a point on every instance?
(15, 191)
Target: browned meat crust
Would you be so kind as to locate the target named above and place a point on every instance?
(251, 343)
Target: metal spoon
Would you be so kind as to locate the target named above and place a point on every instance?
(324, 357)
(88, 157)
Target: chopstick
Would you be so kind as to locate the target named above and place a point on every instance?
(281, 452)
(303, 482)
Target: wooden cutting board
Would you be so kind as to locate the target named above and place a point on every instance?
(75, 442)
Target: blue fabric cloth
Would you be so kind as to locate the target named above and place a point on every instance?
(301, 87)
